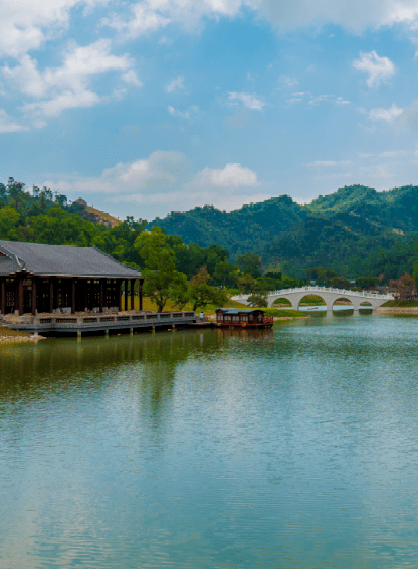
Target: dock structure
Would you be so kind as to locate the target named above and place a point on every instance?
(37, 278)
(55, 324)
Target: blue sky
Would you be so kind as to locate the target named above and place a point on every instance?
(151, 106)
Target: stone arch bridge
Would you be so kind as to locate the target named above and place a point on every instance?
(329, 295)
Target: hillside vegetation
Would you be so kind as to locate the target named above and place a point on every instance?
(355, 231)
(339, 230)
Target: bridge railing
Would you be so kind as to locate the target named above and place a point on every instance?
(343, 292)
(339, 291)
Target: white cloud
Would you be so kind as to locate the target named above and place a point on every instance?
(165, 180)
(319, 99)
(252, 102)
(66, 100)
(341, 101)
(175, 85)
(131, 78)
(388, 115)
(25, 25)
(379, 69)
(232, 176)
(183, 114)
(147, 16)
(288, 81)
(68, 86)
(7, 124)
(357, 16)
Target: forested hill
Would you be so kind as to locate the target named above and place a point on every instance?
(245, 230)
(354, 221)
(396, 209)
(354, 231)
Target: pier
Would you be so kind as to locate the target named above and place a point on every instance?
(57, 324)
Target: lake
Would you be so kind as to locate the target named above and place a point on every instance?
(295, 448)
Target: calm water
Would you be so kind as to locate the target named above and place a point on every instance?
(291, 449)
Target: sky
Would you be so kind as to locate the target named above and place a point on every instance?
(151, 106)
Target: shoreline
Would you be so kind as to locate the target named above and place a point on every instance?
(397, 310)
(11, 337)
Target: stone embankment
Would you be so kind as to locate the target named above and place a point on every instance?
(13, 337)
(397, 310)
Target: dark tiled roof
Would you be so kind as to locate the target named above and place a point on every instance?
(61, 260)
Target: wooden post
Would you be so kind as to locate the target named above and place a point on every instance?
(132, 294)
(126, 294)
(51, 295)
(120, 295)
(141, 282)
(101, 295)
(34, 296)
(3, 297)
(72, 296)
(19, 294)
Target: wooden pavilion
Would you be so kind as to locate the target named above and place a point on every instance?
(47, 278)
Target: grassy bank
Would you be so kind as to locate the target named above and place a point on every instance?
(400, 304)
(13, 336)
(284, 313)
(148, 304)
(210, 309)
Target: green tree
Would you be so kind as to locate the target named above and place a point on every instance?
(257, 300)
(201, 294)
(246, 284)
(179, 291)
(226, 274)
(369, 282)
(250, 264)
(9, 218)
(160, 274)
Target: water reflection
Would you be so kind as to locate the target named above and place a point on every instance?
(294, 447)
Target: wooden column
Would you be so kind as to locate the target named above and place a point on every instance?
(126, 294)
(20, 295)
(132, 294)
(72, 296)
(101, 286)
(141, 282)
(120, 295)
(3, 297)
(34, 296)
(51, 295)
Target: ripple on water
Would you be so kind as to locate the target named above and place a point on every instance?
(295, 448)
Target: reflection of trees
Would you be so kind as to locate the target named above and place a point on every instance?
(60, 365)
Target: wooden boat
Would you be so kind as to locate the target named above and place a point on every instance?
(249, 318)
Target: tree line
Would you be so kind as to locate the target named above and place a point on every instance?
(185, 272)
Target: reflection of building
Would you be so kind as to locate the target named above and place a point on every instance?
(44, 278)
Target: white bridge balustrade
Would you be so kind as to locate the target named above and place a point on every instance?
(329, 295)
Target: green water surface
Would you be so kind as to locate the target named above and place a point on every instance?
(296, 448)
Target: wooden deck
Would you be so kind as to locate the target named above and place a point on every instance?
(96, 323)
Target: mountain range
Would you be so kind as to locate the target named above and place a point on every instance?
(337, 230)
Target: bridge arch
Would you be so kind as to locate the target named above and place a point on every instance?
(317, 296)
(342, 300)
(328, 295)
